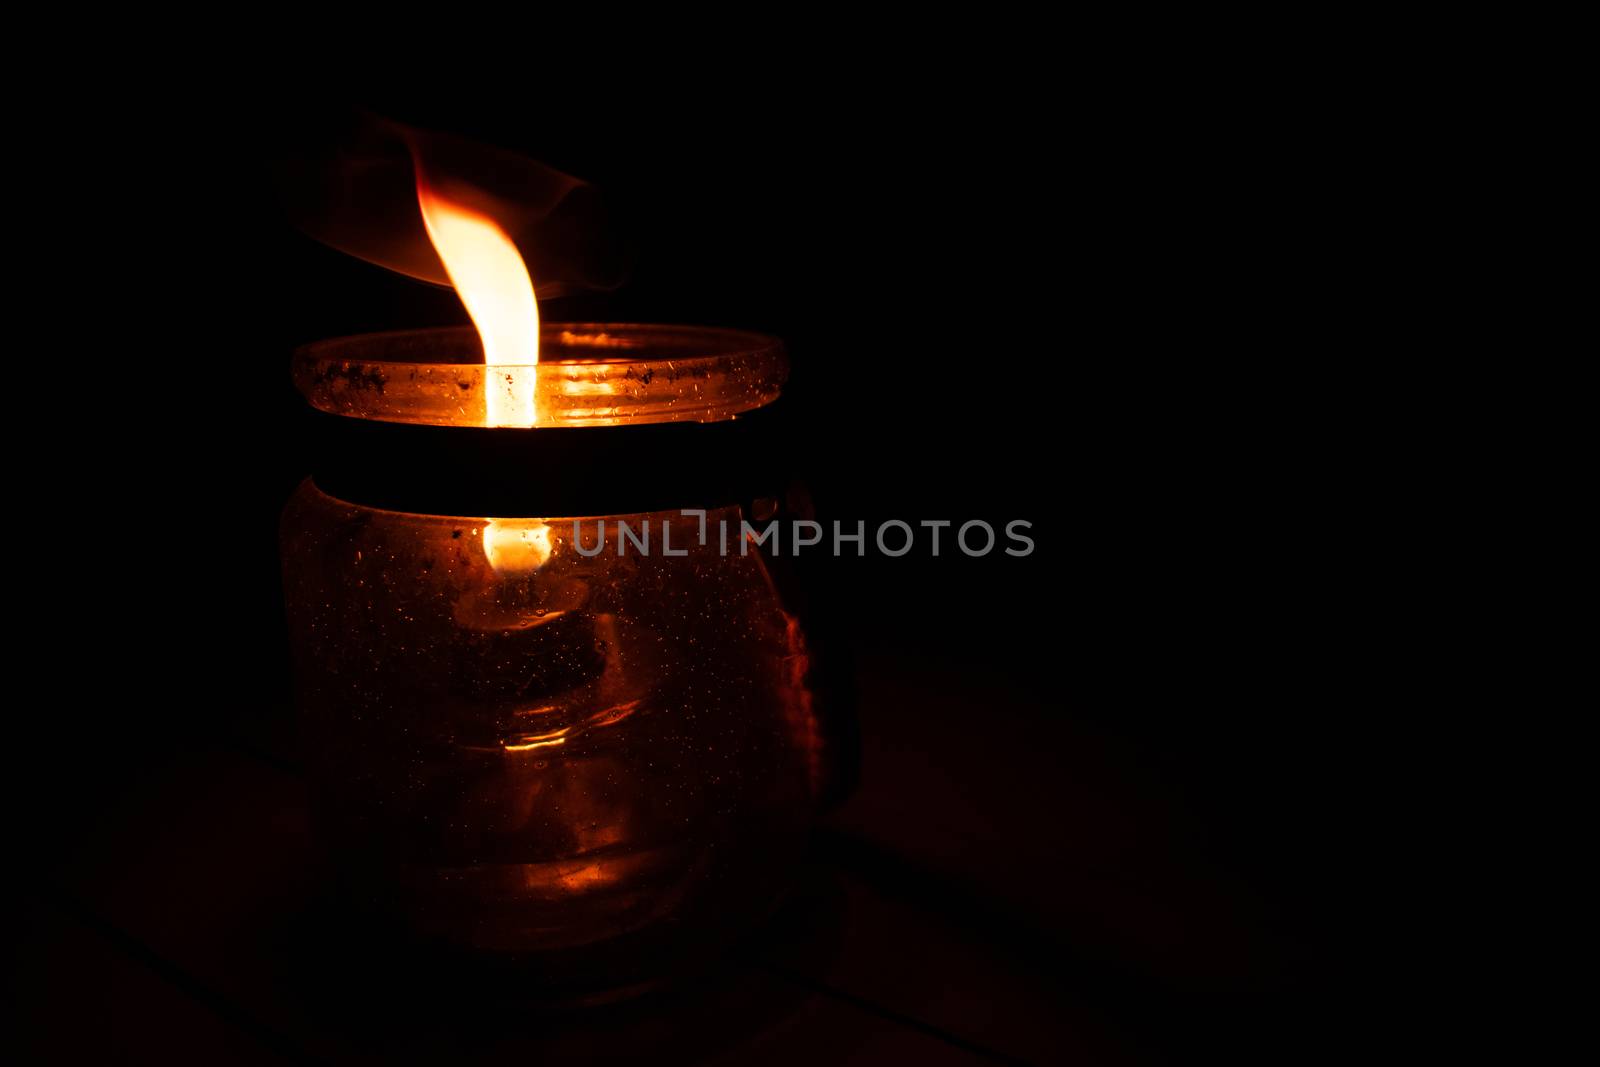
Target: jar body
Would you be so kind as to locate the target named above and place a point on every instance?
(601, 764)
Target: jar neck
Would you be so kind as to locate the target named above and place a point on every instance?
(587, 471)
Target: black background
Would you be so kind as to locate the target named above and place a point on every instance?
(1004, 300)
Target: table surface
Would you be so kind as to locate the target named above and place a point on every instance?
(993, 891)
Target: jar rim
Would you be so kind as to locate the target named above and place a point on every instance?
(590, 374)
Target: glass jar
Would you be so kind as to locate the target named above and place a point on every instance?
(586, 744)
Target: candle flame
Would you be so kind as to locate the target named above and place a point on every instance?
(492, 280)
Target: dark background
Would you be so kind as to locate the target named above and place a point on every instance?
(1006, 302)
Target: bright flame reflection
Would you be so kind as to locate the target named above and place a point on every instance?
(517, 546)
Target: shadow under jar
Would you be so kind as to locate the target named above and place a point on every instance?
(553, 721)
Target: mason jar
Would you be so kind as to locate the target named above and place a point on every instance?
(559, 707)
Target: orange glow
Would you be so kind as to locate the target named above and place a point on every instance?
(589, 876)
(492, 281)
(517, 546)
(529, 742)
